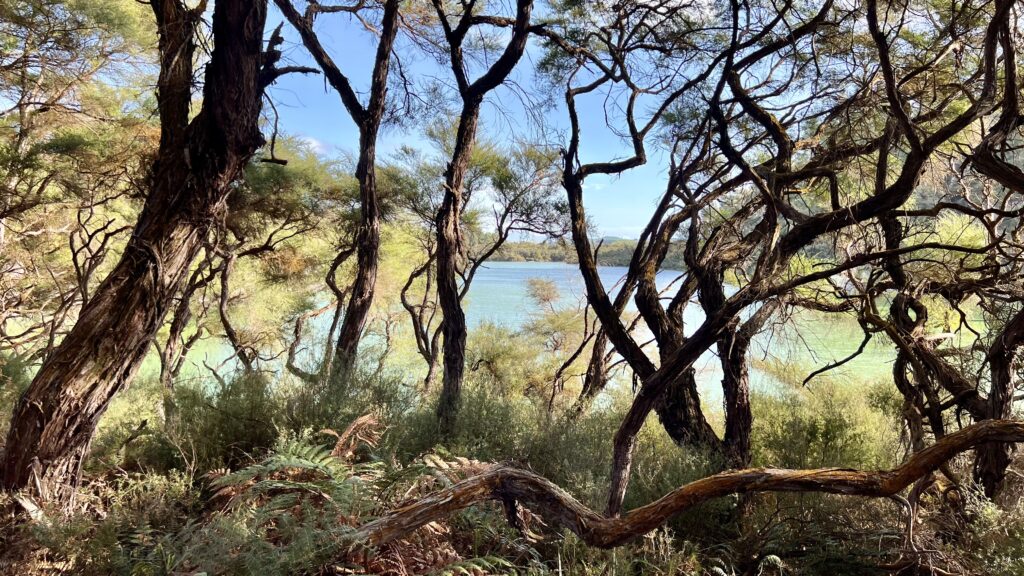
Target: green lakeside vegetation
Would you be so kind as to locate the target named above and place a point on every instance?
(613, 252)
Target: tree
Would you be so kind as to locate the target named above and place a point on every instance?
(368, 119)
(199, 159)
(71, 149)
(742, 162)
(517, 185)
(451, 248)
(515, 488)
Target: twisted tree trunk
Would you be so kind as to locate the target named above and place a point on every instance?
(994, 459)
(198, 162)
(450, 246)
(512, 486)
(450, 250)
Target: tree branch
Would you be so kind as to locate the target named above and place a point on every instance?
(503, 483)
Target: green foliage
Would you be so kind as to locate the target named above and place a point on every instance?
(75, 146)
(130, 537)
(613, 252)
(15, 376)
(290, 507)
(281, 534)
(229, 422)
(659, 553)
(824, 424)
(994, 536)
(475, 566)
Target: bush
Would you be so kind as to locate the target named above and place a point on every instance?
(827, 423)
(228, 423)
(292, 511)
(231, 422)
(15, 376)
(136, 511)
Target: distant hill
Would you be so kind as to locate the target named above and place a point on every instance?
(611, 239)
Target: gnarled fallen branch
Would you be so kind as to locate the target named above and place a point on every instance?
(507, 484)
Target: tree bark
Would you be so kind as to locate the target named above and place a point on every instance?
(596, 377)
(739, 418)
(368, 237)
(681, 415)
(451, 249)
(361, 295)
(993, 459)
(198, 161)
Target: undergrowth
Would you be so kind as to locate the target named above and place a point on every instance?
(255, 476)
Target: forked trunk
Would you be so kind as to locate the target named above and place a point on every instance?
(451, 250)
(369, 119)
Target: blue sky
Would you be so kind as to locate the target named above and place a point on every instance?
(310, 109)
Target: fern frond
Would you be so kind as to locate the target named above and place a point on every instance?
(476, 567)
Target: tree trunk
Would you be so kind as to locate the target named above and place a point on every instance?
(367, 255)
(513, 487)
(993, 459)
(739, 418)
(368, 119)
(198, 161)
(681, 415)
(649, 396)
(596, 377)
(368, 238)
(450, 246)
(450, 250)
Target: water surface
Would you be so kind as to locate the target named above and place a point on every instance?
(802, 343)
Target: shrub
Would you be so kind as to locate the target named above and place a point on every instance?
(827, 423)
(15, 376)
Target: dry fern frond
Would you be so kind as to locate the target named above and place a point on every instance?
(366, 429)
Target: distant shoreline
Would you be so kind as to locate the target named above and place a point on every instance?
(612, 252)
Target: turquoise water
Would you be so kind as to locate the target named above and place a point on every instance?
(801, 343)
(500, 295)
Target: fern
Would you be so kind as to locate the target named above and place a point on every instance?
(771, 561)
(719, 567)
(301, 467)
(474, 566)
(291, 455)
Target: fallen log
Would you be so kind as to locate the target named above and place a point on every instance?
(510, 485)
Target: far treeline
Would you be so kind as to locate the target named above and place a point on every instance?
(612, 252)
(228, 348)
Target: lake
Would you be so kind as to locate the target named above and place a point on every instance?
(500, 295)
